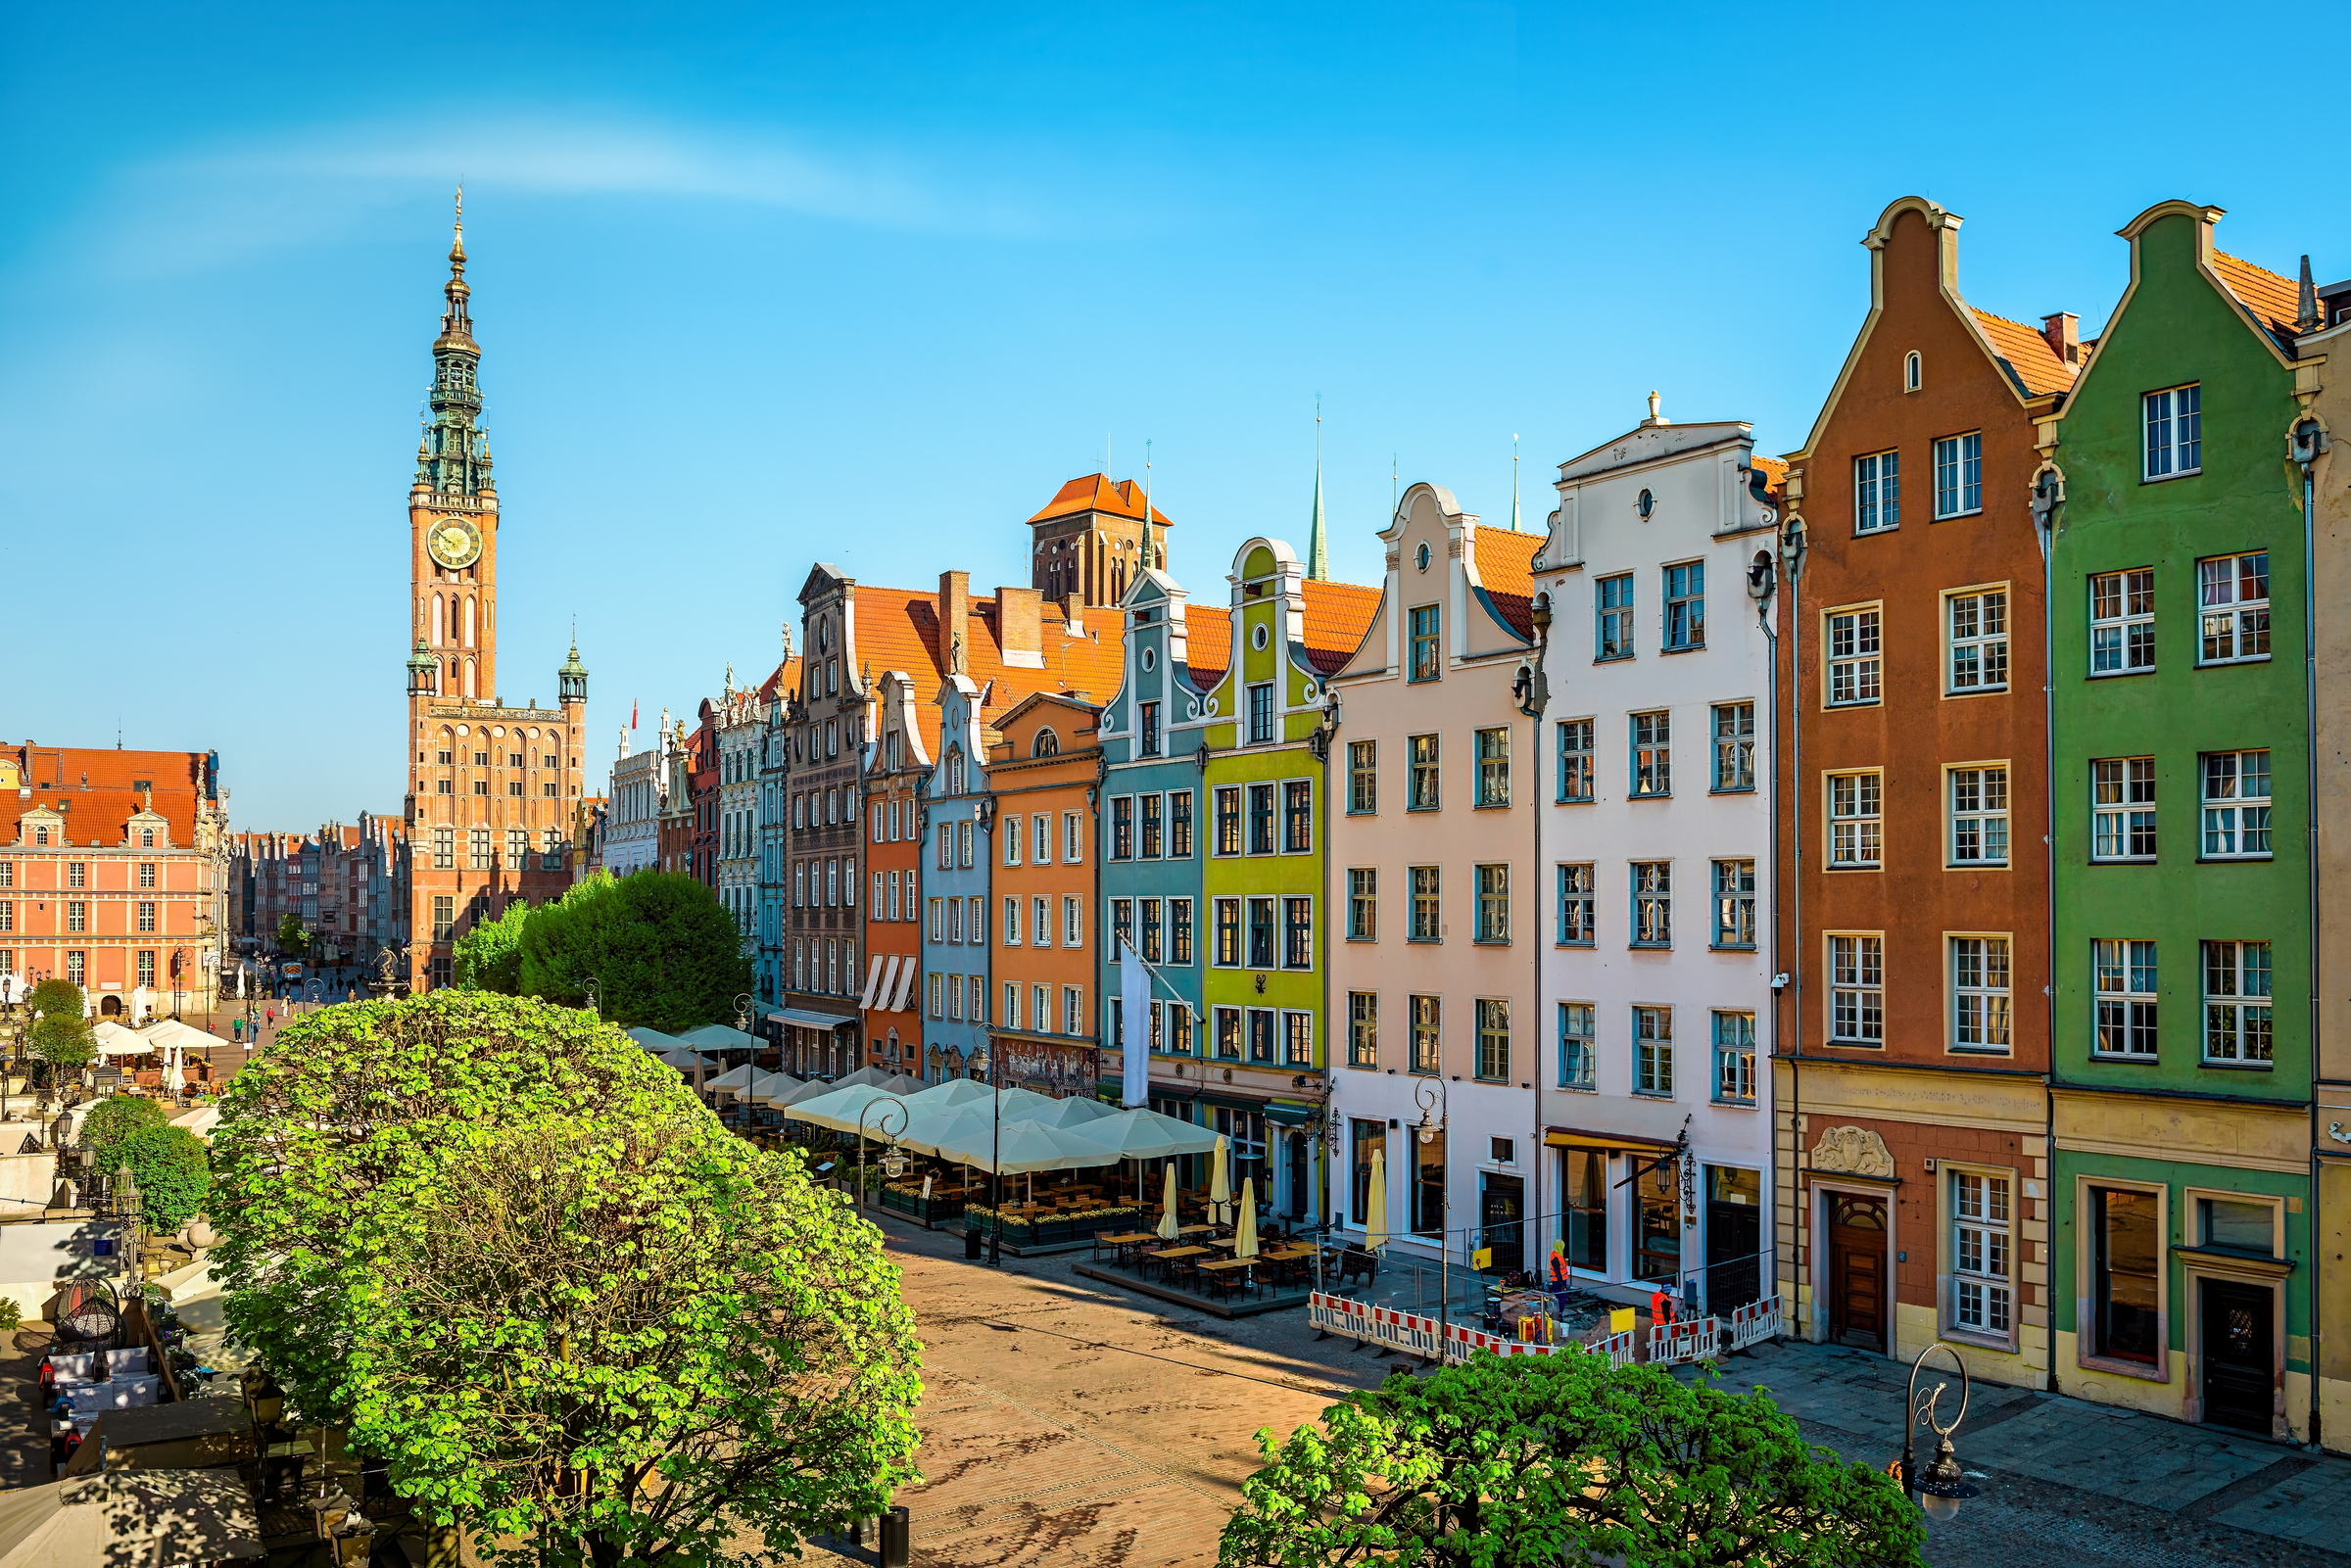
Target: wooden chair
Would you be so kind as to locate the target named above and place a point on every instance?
(1355, 1261)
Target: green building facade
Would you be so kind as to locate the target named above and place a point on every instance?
(2181, 1025)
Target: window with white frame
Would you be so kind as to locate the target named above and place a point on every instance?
(1011, 1019)
(1976, 624)
(1734, 747)
(1979, 799)
(1072, 920)
(1959, 475)
(1652, 903)
(1073, 837)
(1363, 777)
(1855, 650)
(1857, 989)
(1042, 833)
(1653, 1051)
(2237, 806)
(2122, 622)
(2232, 598)
(2121, 808)
(1735, 903)
(1180, 930)
(1012, 921)
(2125, 974)
(1653, 754)
(1981, 1296)
(2175, 444)
(1856, 820)
(977, 984)
(1575, 923)
(1011, 836)
(1877, 492)
(1980, 1012)
(1577, 1068)
(1734, 1057)
(1122, 929)
(1493, 1060)
(939, 996)
(1072, 1010)
(2236, 1004)
(1575, 760)
(1040, 921)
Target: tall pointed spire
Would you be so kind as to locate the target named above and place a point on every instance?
(454, 455)
(1317, 542)
(1513, 480)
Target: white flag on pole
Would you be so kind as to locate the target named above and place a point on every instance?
(1134, 1009)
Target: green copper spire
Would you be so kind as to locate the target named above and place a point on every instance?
(1513, 482)
(454, 455)
(1317, 542)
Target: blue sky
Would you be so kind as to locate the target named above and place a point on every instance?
(763, 285)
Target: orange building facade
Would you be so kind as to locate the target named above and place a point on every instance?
(1043, 782)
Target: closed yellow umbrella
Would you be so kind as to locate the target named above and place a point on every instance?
(1245, 1243)
(1375, 1212)
(1220, 1185)
(1167, 1215)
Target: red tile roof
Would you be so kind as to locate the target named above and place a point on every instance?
(93, 788)
(898, 629)
(786, 681)
(1208, 642)
(2276, 302)
(2037, 365)
(1503, 561)
(1337, 615)
(1099, 493)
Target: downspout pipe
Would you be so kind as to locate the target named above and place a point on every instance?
(1534, 695)
(2307, 442)
(1794, 545)
(1762, 581)
(2048, 494)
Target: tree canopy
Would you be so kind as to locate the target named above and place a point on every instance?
(63, 1040)
(112, 1120)
(174, 1171)
(489, 956)
(662, 951)
(291, 937)
(519, 1259)
(54, 996)
(1569, 1458)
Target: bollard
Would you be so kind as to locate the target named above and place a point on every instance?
(897, 1533)
(971, 1242)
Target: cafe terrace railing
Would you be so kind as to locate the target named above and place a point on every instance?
(1665, 1345)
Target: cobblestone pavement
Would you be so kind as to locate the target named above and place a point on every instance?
(1069, 1423)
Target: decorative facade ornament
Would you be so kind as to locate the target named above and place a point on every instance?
(1856, 1150)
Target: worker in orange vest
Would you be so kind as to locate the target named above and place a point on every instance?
(1660, 1308)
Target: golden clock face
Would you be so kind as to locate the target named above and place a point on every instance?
(453, 542)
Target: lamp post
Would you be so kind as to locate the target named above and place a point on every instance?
(596, 1004)
(887, 1102)
(995, 1149)
(1942, 1486)
(1440, 1102)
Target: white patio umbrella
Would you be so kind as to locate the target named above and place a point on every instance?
(1141, 1134)
(1070, 1113)
(867, 1077)
(652, 1039)
(1166, 1211)
(1375, 1209)
(721, 1037)
(115, 1040)
(734, 1080)
(973, 1138)
(839, 1108)
(1220, 1185)
(1245, 1243)
(945, 1096)
(783, 1089)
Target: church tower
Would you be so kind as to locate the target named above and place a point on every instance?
(492, 787)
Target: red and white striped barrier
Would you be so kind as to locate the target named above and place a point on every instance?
(1621, 1348)
(1689, 1340)
(1758, 1321)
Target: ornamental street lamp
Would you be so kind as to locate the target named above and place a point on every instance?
(1430, 1134)
(1941, 1486)
(894, 1163)
(995, 1151)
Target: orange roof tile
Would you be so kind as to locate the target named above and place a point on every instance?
(1503, 561)
(1099, 493)
(1337, 615)
(2275, 301)
(2027, 354)
(898, 629)
(785, 682)
(95, 788)
(1208, 642)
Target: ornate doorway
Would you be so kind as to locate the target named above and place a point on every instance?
(1856, 1282)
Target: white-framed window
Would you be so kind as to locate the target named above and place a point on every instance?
(1362, 904)
(1854, 643)
(977, 932)
(2125, 975)
(1982, 1297)
(1735, 1057)
(1492, 1063)
(1363, 1028)
(955, 997)
(1980, 999)
(2174, 431)
(1857, 820)
(1577, 1068)
(1653, 1051)
(1877, 492)
(1959, 475)
(2238, 1028)
(1072, 1010)
(2121, 808)
(1073, 837)
(977, 984)
(1072, 920)
(1426, 1028)
(1975, 628)
(2233, 600)
(1042, 851)
(937, 996)
(1012, 921)
(1040, 921)
(1011, 1019)
(1979, 803)
(938, 920)
(2237, 806)
(1857, 989)
(1011, 834)
(2122, 622)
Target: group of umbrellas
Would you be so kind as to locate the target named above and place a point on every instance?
(168, 1038)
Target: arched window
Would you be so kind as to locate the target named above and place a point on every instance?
(469, 692)
(469, 623)
(954, 770)
(439, 636)
(1046, 745)
(1911, 373)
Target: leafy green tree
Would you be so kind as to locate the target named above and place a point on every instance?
(174, 1171)
(661, 948)
(291, 937)
(1569, 1458)
(519, 1259)
(489, 956)
(112, 1120)
(63, 1040)
(55, 996)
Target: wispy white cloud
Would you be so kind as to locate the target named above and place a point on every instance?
(201, 210)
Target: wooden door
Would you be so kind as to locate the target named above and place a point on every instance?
(2239, 1350)
(1857, 1306)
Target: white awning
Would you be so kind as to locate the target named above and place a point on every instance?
(873, 977)
(801, 1018)
(888, 987)
(906, 981)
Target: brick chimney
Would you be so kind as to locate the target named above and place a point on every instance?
(2064, 332)
(1021, 627)
(954, 616)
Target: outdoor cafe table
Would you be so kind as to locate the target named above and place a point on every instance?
(1173, 1256)
(1227, 1272)
(1120, 1243)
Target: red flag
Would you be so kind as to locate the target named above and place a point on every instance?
(631, 713)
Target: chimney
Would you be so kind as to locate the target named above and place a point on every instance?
(2306, 307)
(954, 614)
(1021, 627)
(2064, 332)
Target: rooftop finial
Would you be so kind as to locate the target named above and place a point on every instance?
(2306, 305)
(456, 246)
(1655, 418)
(1318, 546)
(1515, 477)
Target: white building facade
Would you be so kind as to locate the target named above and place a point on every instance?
(633, 811)
(741, 722)
(1658, 970)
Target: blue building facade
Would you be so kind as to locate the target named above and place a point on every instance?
(957, 817)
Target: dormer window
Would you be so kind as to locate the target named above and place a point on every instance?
(146, 838)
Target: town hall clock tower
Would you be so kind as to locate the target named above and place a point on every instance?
(494, 788)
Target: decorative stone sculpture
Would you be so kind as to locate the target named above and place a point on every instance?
(1854, 1150)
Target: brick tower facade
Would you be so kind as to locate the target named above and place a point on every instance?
(492, 788)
